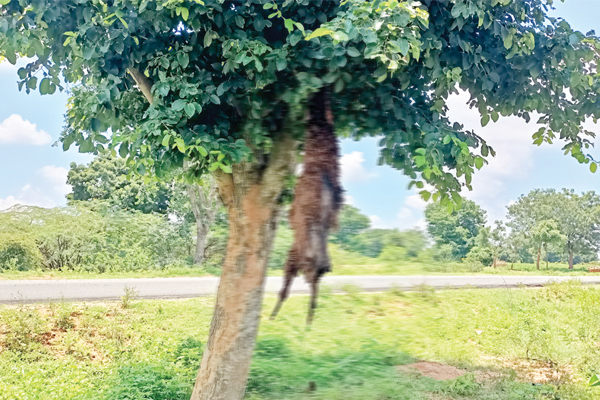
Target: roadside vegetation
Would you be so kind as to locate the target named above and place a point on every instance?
(504, 344)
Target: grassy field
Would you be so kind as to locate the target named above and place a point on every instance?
(510, 344)
(344, 263)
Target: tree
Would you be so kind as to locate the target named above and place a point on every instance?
(459, 229)
(541, 213)
(205, 204)
(545, 233)
(224, 85)
(351, 223)
(105, 179)
(498, 241)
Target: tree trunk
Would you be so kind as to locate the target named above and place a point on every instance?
(251, 196)
(546, 251)
(205, 204)
(570, 260)
(201, 234)
(537, 261)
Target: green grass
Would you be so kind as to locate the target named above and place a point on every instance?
(344, 263)
(151, 349)
(167, 272)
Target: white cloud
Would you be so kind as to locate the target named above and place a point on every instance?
(376, 221)
(16, 130)
(415, 202)
(29, 196)
(511, 138)
(57, 178)
(353, 169)
(348, 199)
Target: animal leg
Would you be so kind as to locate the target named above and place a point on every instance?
(314, 288)
(291, 271)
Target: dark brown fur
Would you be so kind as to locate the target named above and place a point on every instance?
(317, 201)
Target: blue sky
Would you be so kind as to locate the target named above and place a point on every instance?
(34, 172)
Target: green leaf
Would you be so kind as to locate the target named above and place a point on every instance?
(340, 36)
(215, 99)
(221, 89)
(4, 2)
(180, 144)
(202, 151)
(166, 140)
(319, 32)
(479, 162)
(123, 150)
(593, 167)
(45, 86)
(281, 64)
(190, 110)
(141, 169)
(208, 39)
(178, 105)
(32, 83)
(289, 24)
(185, 13)
(225, 168)
(268, 6)
(594, 380)
(447, 139)
(183, 59)
(96, 125)
(353, 52)
(485, 120)
(457, 199)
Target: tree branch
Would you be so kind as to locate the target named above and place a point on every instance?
(143, 83)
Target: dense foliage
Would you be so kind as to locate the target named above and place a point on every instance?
(456, 231)
(222, 76)
(77, 238)
(105, 179)
(565, 219)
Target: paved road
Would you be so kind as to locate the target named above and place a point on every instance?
(32, 291)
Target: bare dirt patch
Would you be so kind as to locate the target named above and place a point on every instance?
(437, 371)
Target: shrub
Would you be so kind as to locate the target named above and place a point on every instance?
(18, 250)
(393, 254)
(481, 254)
(443, 252)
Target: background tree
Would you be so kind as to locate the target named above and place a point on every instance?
(351, 223)
(108, 179)
(498, 241)
(459, 229)
(105, 179)
(545, 233)
(224, 85)
(575, 216)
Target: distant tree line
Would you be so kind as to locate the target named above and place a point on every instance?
(546, 224)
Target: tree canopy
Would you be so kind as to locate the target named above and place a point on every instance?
(545, 216)
(105, 179)
(459, 229)
(223, 77)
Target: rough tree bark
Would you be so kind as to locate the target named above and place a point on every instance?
(570, 259)
(251, 196)
(205, 203)
(537, 261)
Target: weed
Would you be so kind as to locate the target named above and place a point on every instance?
(130, 295)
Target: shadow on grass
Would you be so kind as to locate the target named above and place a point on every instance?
(278, 372)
